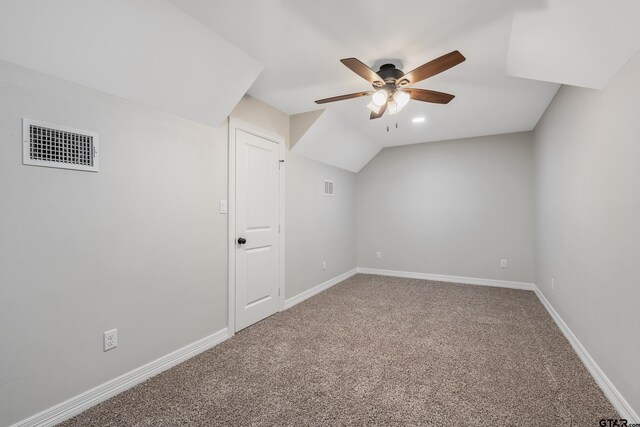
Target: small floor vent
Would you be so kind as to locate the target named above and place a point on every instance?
(55, 146)
(328, 188)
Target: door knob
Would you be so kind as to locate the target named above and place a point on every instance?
(242, 241)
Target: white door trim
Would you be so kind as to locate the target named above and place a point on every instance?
(235, 124)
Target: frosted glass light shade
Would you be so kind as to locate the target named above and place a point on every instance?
(373, 107)
(401, 98)
(380, 97)
(392, 107)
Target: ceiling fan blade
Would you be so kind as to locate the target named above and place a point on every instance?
(343, 97)
(363, 71)
(379, 113)
(434, 67)
(430, 96)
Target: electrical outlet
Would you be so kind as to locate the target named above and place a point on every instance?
(504, 263)
(378, 255)
(324, 265)
(110, 339)
(553, 283)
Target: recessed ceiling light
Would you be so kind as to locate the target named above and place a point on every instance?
(418, 119)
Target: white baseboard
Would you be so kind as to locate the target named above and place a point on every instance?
(84, 401)
(610, 391)
(317, 289)
(454, 279)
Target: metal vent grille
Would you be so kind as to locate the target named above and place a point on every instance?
(55, 146)
(328, 188)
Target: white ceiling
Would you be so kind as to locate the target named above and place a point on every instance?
(575, 42)
(151, 52)
(145, 50)
(301, 42)
(321, 134)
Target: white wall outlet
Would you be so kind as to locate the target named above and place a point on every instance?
(324, 265)
(378, 255)
(504, 263)
(553, 283)
(110, 339)
(223, 206)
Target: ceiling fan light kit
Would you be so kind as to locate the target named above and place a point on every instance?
(391, 84)
(374, 107)
(380, 97)
(402, 98)
(393, 107)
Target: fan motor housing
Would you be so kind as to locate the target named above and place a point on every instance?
(389, 73)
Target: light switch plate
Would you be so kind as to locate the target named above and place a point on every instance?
(223, 206)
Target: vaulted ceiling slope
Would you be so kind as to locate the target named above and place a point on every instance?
(320, 135)
(574, 42)
(147, 51)
(196, 58)
(301, 43)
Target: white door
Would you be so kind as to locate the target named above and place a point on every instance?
(257, 231)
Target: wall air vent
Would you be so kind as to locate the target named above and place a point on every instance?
(328, 188)
(54, 146)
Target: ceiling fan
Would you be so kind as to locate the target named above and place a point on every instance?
(391, 91)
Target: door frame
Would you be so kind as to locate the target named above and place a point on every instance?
(234, 125)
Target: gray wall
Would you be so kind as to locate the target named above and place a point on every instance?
(587, 151)
(138, 246)
(319, 228)
(452, 207)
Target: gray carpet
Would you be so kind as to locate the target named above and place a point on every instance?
(378, 351)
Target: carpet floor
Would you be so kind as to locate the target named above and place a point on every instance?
(377, 350)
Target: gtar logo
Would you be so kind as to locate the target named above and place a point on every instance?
(621, 422)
